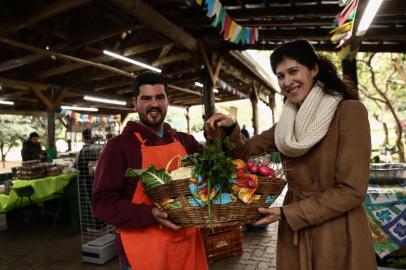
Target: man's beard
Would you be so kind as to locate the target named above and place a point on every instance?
(154, 123)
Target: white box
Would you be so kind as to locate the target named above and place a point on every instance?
(100, 250)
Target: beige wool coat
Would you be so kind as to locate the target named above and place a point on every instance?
(326, 227)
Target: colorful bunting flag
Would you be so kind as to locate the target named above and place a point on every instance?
(230, 30)
(344, 23)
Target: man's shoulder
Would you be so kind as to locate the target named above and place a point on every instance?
(184, 135)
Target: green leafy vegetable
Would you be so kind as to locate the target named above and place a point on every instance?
(212, 164)
(151, 177)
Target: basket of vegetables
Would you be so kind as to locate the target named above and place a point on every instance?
(209, 189)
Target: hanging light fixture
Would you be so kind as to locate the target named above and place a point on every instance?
(199, 84)
(77, 108)
(369, 14)
(132, 61)
(5, 102)
(105, 100)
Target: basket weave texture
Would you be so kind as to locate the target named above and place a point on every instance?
(236, 213)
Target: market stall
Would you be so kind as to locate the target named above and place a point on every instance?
(43, 189)
(385, 205)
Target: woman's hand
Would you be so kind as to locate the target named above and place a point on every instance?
(271, 215)
(215, 122)
(162, 218)
(220, 120)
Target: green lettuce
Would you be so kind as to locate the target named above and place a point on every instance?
(150, 177)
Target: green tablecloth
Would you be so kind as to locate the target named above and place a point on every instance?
(44, 190)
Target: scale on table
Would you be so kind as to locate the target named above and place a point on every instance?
(100, 250)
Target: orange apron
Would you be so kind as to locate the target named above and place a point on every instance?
(155, 248)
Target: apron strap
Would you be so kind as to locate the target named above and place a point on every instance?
(142, 141)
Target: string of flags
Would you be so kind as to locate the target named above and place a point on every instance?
(230, 30)
(343, 31)
(80, 117)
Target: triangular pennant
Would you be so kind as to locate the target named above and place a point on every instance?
(218, 17)
(227, 27)
(342, 28)
(210, 7)
(223, 19)
(252, 37)
(343, 15)
(233, 26)
(236, 33)
(199, 2)
(248, 35)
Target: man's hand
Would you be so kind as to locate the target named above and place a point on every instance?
(163, 220)
(271, 215)
(215, 122)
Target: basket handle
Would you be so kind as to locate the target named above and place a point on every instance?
(176, 157)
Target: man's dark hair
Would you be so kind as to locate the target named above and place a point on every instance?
(33, 134)
(87, 134)
(148, 77)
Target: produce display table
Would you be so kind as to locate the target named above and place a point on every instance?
(44, 189)
(386, 209)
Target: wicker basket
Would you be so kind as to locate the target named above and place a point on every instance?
(232, 214)
(222, 242)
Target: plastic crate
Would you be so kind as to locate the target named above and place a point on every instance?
(222, 242)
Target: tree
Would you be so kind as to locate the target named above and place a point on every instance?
(383, 80)
(10, 134)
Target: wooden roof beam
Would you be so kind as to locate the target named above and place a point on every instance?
(100, 59)
(47, 11)
(43, 98)
(308, 10)
(239, 57)
(231, 70)
(38, 88)
(185, 90)
(133, 68)
(106, 86)
(154, 19)
(84, 40)
(65, 57)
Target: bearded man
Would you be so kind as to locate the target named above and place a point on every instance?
(146, 238)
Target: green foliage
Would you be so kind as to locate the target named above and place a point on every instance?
(212, 163)
(151, 177)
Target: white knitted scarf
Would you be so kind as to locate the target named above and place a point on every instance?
(300, 128)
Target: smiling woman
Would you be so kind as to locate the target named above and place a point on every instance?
(324, 139)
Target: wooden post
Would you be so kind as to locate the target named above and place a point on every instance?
(350, 70)
(208, 95)
(51, 128)
(254, 103)
(187, 119)
(271, 104)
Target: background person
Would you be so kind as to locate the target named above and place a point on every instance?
(32, 148)
(86, 158)
(245, 132)
(146, 238)
(324, 138)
